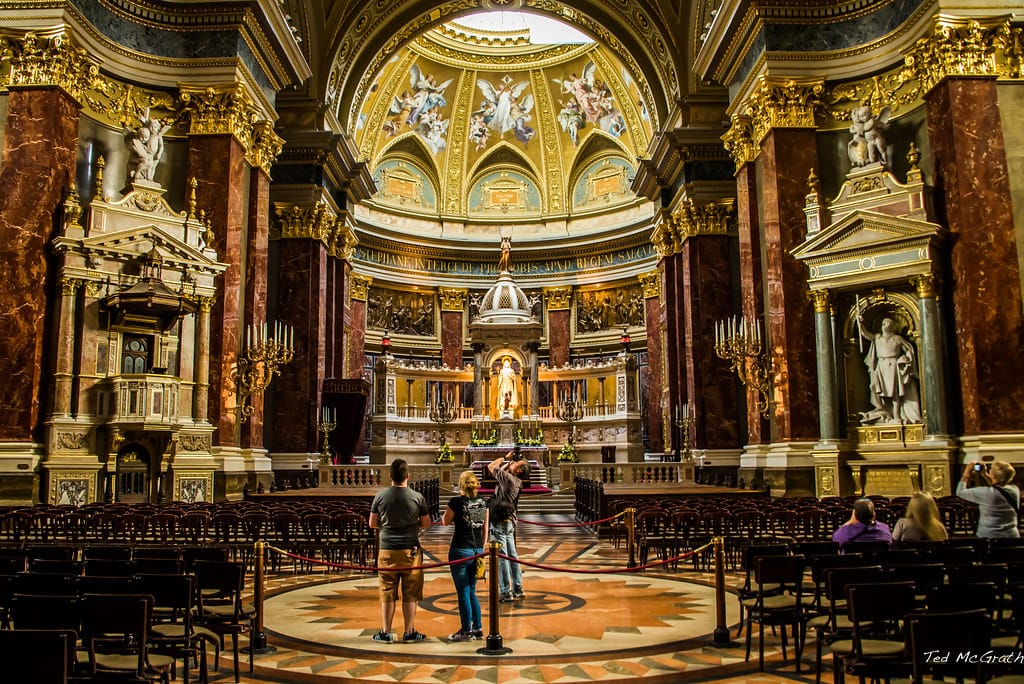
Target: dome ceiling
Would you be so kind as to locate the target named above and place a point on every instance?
(474, 124)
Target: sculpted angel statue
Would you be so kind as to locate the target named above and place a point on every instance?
(867, 145)
(145, 147)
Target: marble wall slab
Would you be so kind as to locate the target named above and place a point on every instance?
(655, 376)
(751, 279)
(257, 240)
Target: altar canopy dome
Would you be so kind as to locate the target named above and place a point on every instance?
(478, 122)
(505, 303)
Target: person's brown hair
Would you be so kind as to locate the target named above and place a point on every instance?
(923, 510)
(399, 470)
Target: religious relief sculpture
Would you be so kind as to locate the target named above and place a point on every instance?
(868, 145)
(893, 379)
(608, 309)
(145, 147)
(402, 313)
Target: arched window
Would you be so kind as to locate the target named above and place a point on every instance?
(135, 354)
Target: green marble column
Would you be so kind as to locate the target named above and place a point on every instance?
(932, 372)
(825, 345)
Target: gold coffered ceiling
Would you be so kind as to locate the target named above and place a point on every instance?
(483, 126)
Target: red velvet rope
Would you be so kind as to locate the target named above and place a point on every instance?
(584, 524)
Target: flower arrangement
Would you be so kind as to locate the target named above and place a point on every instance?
(530, 441)
(444, 454)
(568, 454)
(474, 440)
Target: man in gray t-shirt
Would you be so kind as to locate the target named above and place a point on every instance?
(399, 513)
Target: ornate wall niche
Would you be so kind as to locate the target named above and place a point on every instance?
(404, 185)
(602, 184)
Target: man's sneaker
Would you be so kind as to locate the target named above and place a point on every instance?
(383, 636)
(460, 636)
(519, 597)
(477, 634)
(506, 598)
(413, 636)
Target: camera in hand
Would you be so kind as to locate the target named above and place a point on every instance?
(978, 467)
(517, 455)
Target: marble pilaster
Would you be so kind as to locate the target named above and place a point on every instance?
(558, 337)
(218, 163)
(751, 279)
(655, 377)
(670, 318)
(302, 282)
(966, 135)
(828, 397)
(257, 239)
(37, 166)
(63, 372)
(356, 332)
(786, 155)
(451, 338)
(932, 367)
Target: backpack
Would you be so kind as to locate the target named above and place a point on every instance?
(473, 514)
(501, 510)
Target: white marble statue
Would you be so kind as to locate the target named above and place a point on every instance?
(892, 378)
(867, 145)
(145, 148)
(508, 396)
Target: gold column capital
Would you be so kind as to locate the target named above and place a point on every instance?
(558, 298)
(206, 304)
(650, 284)
(225, 109)
(48, 59)
(968, 47)
(341, 240)
(739, 140)
(663, 238)
(69, 286)
(926, 285)
(359, 287)
(94, 289)
(785, 103)
(822, 300)
(713, 218)
(452, 298)
(311, 222)
(266, 145)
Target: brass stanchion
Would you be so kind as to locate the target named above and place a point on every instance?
(495, 644)
(258, 643)
(721, 636)
(631, 536)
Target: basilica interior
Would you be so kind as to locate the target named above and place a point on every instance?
(269, 246)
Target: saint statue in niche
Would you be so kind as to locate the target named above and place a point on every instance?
(507, 386)
(892, 372)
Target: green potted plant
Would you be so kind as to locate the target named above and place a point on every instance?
(444, 454)
(568, 454)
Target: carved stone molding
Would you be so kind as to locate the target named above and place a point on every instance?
(221, 110)
(266, 145)
(189, 442)
(47, 60)
(558, 298)
(452, 299)
(965, 47)
(650, 284)
(71, 440)
(315, 222)
(359, 287)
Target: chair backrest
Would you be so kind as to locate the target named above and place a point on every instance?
(786, 571)
(193, 554)
(954, 598)
(40, 656)
(158, 552)
(880, 605)
(118, 623)
(173, 595)
(37, 611)
(937, 638)
(154, 566)
(44, 583)
(115, 552)
(108, 567)
(220, 580)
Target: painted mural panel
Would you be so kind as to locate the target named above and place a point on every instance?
(404, 185)
(585, 100)
(603, 183)
(598, 310)
(504, 192)
(503, 106)
(421, 108)
(404, 313)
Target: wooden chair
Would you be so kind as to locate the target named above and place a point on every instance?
(956, 632)
(219, 587)
(778, 601)
(834, 629)
(172, 631)
(115, 634)
(39, 656)
(877, 612)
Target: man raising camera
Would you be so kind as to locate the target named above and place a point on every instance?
(990, 486)
(508, 471)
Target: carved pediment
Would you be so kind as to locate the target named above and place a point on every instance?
(865, 246)
(134, 242)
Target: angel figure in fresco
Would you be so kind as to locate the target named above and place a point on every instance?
(432, 128)
(867, 145)
(429, 94)
(507, 102)
(584, 89)
(571, 119)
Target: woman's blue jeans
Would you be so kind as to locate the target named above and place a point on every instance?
(464, 576)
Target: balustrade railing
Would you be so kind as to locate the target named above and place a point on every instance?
(342, 476)
(629, 473)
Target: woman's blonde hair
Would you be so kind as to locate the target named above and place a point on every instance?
(1002, 472)
(923, 510)
(469, 485)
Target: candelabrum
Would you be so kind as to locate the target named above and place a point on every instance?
(260, 360)
(683, 421)
(326, 424)
(740, 343)
(570, 411)
(442, 412)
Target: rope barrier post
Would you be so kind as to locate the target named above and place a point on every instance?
(258, 643)
(721, 636)
(631, 536)
(495, 644)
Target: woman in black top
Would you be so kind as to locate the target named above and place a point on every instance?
(469, 513)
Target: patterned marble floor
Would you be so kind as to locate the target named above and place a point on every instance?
(573, 627)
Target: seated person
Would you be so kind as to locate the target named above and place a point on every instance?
(862, 526)
(922, 521)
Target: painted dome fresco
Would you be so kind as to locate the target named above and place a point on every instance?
(474, 122)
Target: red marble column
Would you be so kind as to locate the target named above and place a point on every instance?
(558, 337)
(356, 338)
(218, 163)
(751, 280)
(707, 287)
(257, 238)
(343, 319)
(38, 164)
(966, 135)
(334, 340)
(670, 315)
(451, 338)
(302, 281)
(655, 377)
(787, 155)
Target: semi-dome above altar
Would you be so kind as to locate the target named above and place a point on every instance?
(477, 123)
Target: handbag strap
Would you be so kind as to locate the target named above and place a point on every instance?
(1014, 503)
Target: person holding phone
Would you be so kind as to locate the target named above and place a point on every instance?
(997, 497)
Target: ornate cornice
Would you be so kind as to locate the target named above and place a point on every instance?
(650, 283)
(359, 287)
(452, 299)
(965, 47)
(558, 298)
(713, 218)
(220, 110)
(48, 59)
